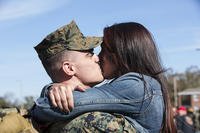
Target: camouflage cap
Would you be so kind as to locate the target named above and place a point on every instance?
(67, 37)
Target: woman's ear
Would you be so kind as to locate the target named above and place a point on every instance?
(68, 68)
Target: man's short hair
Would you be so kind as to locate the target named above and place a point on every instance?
(54, 46)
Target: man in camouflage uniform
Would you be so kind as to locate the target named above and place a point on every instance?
(66, 38)
(69, 38)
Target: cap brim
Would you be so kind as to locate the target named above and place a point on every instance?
(93, 42)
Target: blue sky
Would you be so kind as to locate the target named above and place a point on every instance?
(175, 25)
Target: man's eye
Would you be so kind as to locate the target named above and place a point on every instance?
(90, 54)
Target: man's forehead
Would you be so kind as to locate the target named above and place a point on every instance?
(82, 51)
(74, 54)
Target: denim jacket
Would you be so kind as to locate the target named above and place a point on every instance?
(141, 104)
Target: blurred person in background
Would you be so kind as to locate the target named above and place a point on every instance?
(183, 121)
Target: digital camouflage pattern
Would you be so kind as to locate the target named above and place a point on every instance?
(12, 121)
(67, 37)
(94, 122)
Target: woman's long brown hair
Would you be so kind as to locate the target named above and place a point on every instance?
(135, 50)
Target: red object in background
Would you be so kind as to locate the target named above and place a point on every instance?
(182, 108)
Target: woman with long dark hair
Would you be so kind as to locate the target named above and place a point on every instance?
(130, 47)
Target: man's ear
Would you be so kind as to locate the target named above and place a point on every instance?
(68, 68)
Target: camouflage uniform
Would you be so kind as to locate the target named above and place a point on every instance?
(94, 122)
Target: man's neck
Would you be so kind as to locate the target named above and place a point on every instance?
(74, 83)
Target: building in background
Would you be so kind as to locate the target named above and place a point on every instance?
(190, 98)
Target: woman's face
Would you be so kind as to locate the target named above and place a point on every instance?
(107, 61)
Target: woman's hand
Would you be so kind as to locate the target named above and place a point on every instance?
(61, 95)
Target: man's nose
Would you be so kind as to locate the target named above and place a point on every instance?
(96, 58)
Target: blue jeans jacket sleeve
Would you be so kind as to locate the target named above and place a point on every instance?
(125, 95)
